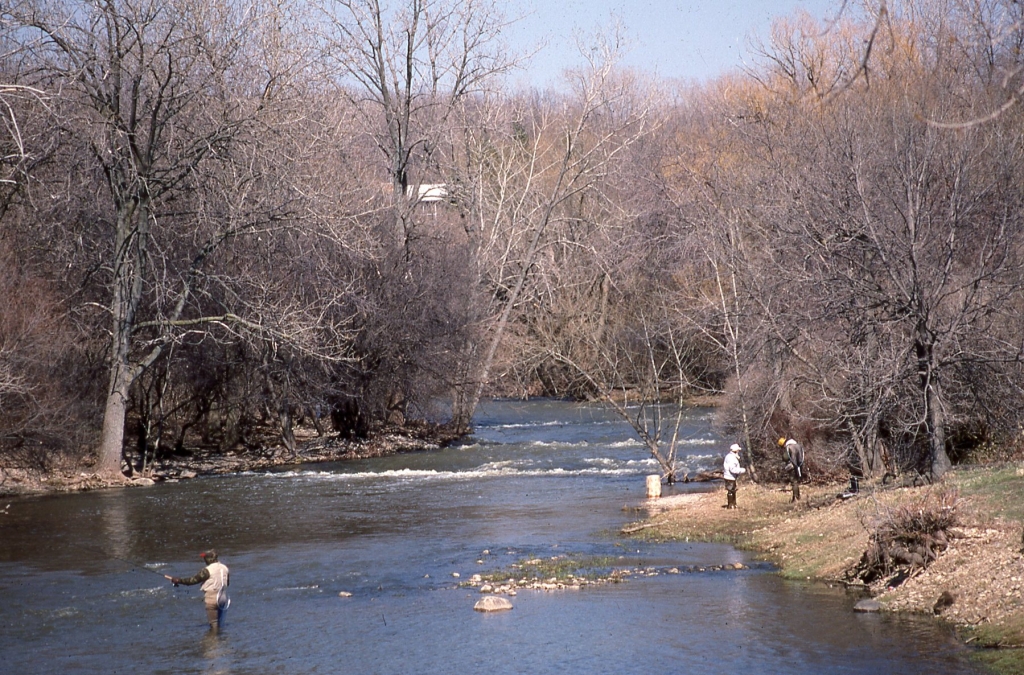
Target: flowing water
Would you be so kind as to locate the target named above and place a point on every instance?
(81, 591)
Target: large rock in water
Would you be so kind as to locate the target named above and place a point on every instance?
(492, 603)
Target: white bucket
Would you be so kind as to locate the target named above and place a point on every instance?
(653, 487)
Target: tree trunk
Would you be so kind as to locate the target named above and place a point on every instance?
(462, 410)
(112, 441)
(939, 462)
(129, 262)
(284, 416)
(935, 419)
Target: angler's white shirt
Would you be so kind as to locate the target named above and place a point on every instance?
(216, 587)
(731, 468)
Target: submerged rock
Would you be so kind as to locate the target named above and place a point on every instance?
(868, 605)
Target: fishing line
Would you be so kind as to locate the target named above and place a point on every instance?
(104, 554)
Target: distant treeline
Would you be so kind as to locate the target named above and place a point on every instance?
(223, 217)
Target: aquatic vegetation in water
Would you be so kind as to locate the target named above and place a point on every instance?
(554, 573)
(573, 572)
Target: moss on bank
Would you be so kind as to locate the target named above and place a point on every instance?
(822, 537)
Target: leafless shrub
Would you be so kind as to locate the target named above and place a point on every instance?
(44, 411)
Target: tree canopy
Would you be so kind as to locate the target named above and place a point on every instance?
(221, 218)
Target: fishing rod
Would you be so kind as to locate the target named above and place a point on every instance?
(104, 554)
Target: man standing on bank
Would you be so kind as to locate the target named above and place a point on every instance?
(215, 578)
(731, 470)
(794, 455)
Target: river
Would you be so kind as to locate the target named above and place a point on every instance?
(82, 593)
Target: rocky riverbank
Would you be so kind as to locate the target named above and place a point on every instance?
(310, 448)
(975, 584)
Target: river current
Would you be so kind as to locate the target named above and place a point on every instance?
(81, 589)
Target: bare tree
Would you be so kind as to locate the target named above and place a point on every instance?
(154, 89)
(889, 267)
(18, 157)
(520, 183)
(406, 66)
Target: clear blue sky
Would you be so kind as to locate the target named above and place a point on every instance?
(687, 39)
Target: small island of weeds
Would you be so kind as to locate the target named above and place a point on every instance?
(974, 580)
(574, 572)
(561, 572)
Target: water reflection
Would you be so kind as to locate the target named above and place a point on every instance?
(117, 531)
(215, 649)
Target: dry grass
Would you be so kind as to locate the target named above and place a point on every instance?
(805, 541)
(823, 538)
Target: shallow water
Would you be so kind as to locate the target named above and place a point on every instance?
(81, 591)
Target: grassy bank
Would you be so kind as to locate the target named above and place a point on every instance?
(822, 538)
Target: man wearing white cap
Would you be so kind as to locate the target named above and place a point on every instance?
(731, 470)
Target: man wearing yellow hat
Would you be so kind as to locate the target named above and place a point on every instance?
(793, 453)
